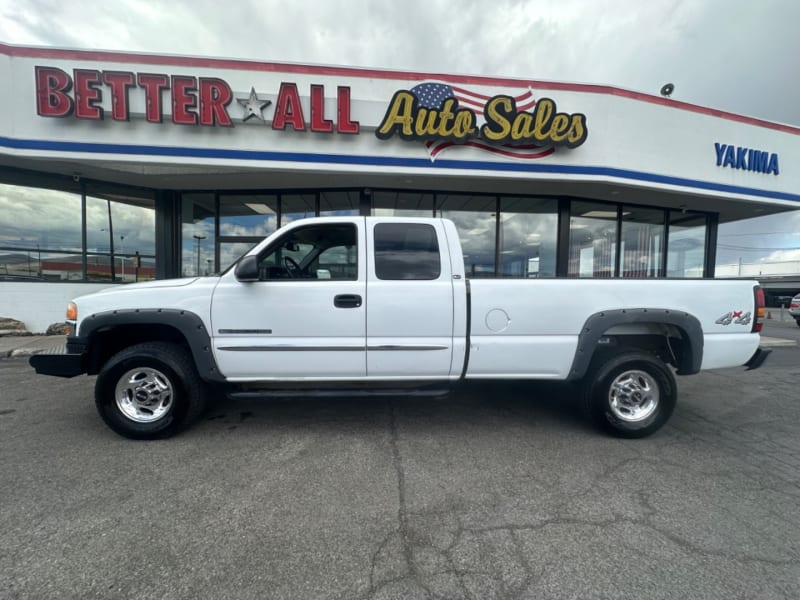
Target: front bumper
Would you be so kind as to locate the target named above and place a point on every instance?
(758, 358)
(67, 361)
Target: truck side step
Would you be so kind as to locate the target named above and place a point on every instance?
(255, 394)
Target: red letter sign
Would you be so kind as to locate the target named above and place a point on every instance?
(52, 86)
(153, 84)
(87, 94)
(119, 82)
(183, 100)
(288, 109)
(344, 124)
(318, 121)
(215, 95)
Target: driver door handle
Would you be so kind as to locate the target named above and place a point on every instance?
(347, 301)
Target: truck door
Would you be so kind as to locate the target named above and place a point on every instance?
(410, 305)
(305, 317)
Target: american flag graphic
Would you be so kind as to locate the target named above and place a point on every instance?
(433, 94)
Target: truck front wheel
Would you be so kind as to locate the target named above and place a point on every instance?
(630, 395)
(149, 391)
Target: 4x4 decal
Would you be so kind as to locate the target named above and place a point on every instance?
(737, 317)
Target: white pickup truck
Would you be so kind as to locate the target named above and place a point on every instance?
(353, 304)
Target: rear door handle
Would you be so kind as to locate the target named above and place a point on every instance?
(347, 301)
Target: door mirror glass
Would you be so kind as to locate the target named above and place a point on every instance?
(247, 269)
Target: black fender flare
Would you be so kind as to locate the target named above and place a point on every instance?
(189, 324)
(597, 324)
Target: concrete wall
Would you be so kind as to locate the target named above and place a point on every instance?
(40, 304)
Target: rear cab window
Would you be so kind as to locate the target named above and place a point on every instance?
(406, 251)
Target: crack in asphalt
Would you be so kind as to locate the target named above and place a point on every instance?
(433, 554)
(521, 562)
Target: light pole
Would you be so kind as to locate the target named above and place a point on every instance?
(121, 257)
(111, 241)
(110, 231)
(198, 238)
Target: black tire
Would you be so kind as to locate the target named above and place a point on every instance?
(169, 393)
(797, 321)
(643, 398)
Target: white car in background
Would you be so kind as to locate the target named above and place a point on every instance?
(794, 309)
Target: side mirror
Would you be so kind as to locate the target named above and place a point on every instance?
(247, 269)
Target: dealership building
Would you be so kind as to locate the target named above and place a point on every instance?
(121, 167)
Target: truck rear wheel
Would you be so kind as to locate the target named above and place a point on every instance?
(149, 391)
(630, 395)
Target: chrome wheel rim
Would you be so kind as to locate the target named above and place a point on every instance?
(633, 396)
(144, 395)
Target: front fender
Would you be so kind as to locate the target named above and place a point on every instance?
(187, 323)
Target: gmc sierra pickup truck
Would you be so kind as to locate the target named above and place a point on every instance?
(384, 305)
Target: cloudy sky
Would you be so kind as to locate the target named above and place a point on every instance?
(736, 55)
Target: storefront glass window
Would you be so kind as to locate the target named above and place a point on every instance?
(244, 220)
(297, 206)
(98, 267)
(247, 215)
(687, 244)
(642, 242)
(592, 239)
(26, 237)
(125, 230)
(198, 233)
(339, 204)
(229, 253)
(33, 247)
(507, 236)
(528, 234)
(387, 203)
(475, 218)
(22, 224)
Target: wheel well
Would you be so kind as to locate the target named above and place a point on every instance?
(674, 336)
(670, 343)
(107, 341)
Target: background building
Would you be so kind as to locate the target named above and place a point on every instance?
(122, 167)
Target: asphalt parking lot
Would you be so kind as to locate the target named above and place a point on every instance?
(499, 491)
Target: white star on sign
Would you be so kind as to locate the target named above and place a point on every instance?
(253, 106)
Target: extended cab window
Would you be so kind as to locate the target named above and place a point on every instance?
(312, 252)
(406, 251)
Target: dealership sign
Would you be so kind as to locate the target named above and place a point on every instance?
(201, 101)
(435, 113)
(746, 159)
